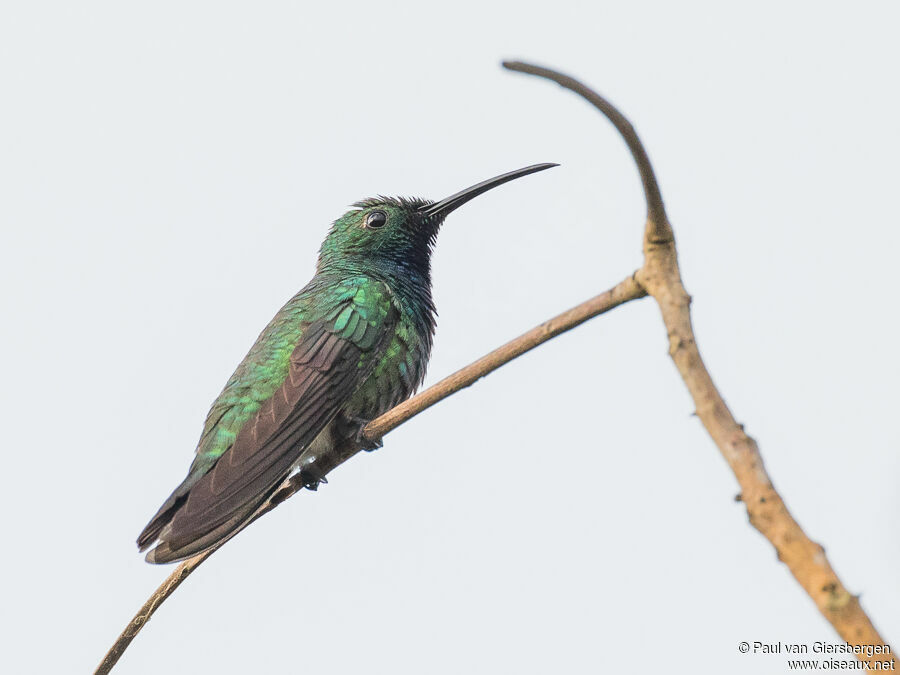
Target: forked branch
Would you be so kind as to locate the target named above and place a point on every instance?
(661, 278)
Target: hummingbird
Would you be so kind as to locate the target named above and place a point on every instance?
(351, 345)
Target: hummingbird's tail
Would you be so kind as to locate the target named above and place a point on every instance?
(165, 514)
(159, 529)
(173, 551)
(165, 552)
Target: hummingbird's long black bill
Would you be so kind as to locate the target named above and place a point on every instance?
(445, 206)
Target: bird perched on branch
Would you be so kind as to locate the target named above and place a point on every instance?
(348, 347)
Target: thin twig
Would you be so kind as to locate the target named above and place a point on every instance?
(166, 588)
(622, 292)
(656, 212)
(661, 277)
(626, 290)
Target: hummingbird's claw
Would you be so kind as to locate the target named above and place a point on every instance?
(294, 484)
(364, 442)
(309, 476)
(311, 482)
(371, 446)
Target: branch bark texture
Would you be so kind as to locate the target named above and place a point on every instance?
(661, 278)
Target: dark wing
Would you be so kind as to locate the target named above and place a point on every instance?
(333, 358)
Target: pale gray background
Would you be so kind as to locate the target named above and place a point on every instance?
(167, 175)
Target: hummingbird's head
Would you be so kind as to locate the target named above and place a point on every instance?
(382, 230)
(396, 232)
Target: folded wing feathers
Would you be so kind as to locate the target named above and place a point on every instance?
(324, 371)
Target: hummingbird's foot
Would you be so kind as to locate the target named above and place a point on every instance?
(363, 441)
(311, 482)
(300, 480)
(368, 444)
(309, 476)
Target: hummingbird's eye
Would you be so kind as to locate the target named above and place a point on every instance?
(376, 219)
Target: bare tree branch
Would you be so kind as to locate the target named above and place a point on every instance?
(661, 278)
(626, 290)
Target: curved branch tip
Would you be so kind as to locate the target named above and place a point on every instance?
(658, 230)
